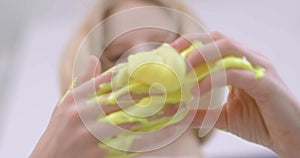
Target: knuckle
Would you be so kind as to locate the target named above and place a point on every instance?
(261, 54)
(69, 98)
(84, 132)
(72, 115)
(217, 35)
(227, 44)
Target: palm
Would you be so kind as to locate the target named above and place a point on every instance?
(244, 119)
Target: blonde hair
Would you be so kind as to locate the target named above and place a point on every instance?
(98, 14)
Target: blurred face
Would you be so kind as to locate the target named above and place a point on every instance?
(135, 30)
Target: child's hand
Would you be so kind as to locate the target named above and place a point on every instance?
(263, 110)
(67, 135)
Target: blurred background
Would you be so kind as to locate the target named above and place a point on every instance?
(34, 32)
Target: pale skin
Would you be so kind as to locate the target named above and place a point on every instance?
(261, 111)
(76, 139)
(256, 110)
(67, 135)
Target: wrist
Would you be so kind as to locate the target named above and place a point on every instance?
(44, 148)
(290, 143)
(289, 153)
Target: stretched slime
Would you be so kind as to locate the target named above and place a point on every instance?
(162, 79)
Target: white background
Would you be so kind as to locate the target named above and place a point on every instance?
(35, 34)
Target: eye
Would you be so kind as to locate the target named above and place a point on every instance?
(119, 56)
(116, 57)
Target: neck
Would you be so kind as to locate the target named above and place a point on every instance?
(186, 145)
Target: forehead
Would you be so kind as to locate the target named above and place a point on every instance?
(138, 23)
(143, 35)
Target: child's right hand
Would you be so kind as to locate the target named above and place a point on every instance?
(263, 110)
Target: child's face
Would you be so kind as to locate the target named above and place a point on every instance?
(119, 40)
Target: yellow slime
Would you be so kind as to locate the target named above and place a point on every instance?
(161, 71)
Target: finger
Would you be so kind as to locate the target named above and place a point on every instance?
(87, 112)
(185, 41)
(222, 48)
(92, 69)
(93, 111)
(229, 117)
(103, 130)
(237, 78)
(92, 86)
(240, 79)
